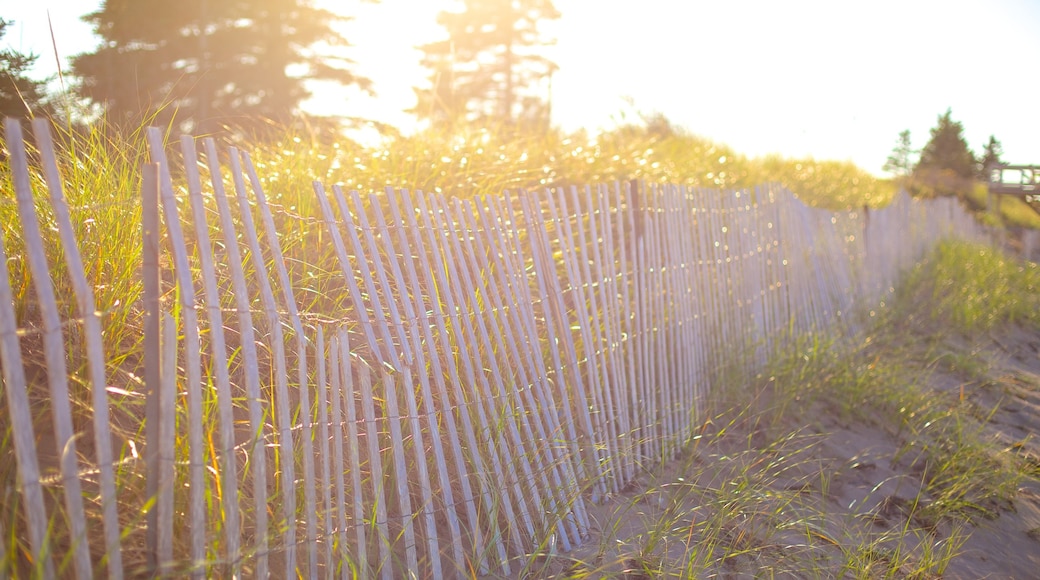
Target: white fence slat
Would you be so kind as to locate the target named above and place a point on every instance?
(392, 415)
(306, 411)
(380, 272)
(645, 324)
(686, 251)
(648, 267)
(606, 435)
(666, 321)
(561, 429)
(53, 349)
(348, 400)
(22, 433)
(284, 426)
(620, 202)
(348, 275)
(376, 474)
(325, 457)
(453, 295)
(255, 402)
(489, 239)
(337, 369)
(167, 394)
(459, 265)
(613, 253)
(409, 331)
(218, 350)
(635, 320)
(436, 278)
(661, 379)
(192, 356)
(94, 346)
(557, 332)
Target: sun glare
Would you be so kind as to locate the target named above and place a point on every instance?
(800, 78)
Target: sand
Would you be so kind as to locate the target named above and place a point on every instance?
(837, 495)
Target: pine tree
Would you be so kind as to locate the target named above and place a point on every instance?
(900, 163)
(990, 157)
(204, 63)
(489, 68)
(20, 96)
(947, 150)
(947, 166)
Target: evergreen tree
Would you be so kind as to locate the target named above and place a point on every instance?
(990, 157)
(489, 69)
(900, 163)
(20, 96)
(947, 151)
(203, 63)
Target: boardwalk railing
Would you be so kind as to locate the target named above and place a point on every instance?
(389, 383)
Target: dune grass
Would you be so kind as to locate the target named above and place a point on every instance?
(760, 488)
(731, 485)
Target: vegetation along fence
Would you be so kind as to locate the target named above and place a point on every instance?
(380, 384)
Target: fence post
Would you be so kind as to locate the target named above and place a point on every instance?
(150, 273)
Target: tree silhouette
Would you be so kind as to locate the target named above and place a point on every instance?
(204, 63)
(990, 157)
(20, 96)
(489, 67)
(947, 150)
(900, 163)
(947, 166)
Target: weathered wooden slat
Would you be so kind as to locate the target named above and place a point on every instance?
(640, 383)
(502, 415)
(348, 395)
(612, 228)
(218, 350)
(284, 425)
(390, 399)
(164, 504)
(302, 379)
(22, 432)
(568, 376)
(255, 401)
(391, 385)
(192, 357)
(53, 350)
(435, 276)
(94, 345)
(490, 239)
(376, 474)
(331, 528)
(340, 372)
(579, 283)
(598, 251)
(408, 329)
(563, 429)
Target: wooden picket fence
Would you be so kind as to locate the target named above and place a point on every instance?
(394, 383)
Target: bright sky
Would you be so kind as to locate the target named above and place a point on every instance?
(830, 79)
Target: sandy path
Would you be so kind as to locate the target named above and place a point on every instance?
(837, 495)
